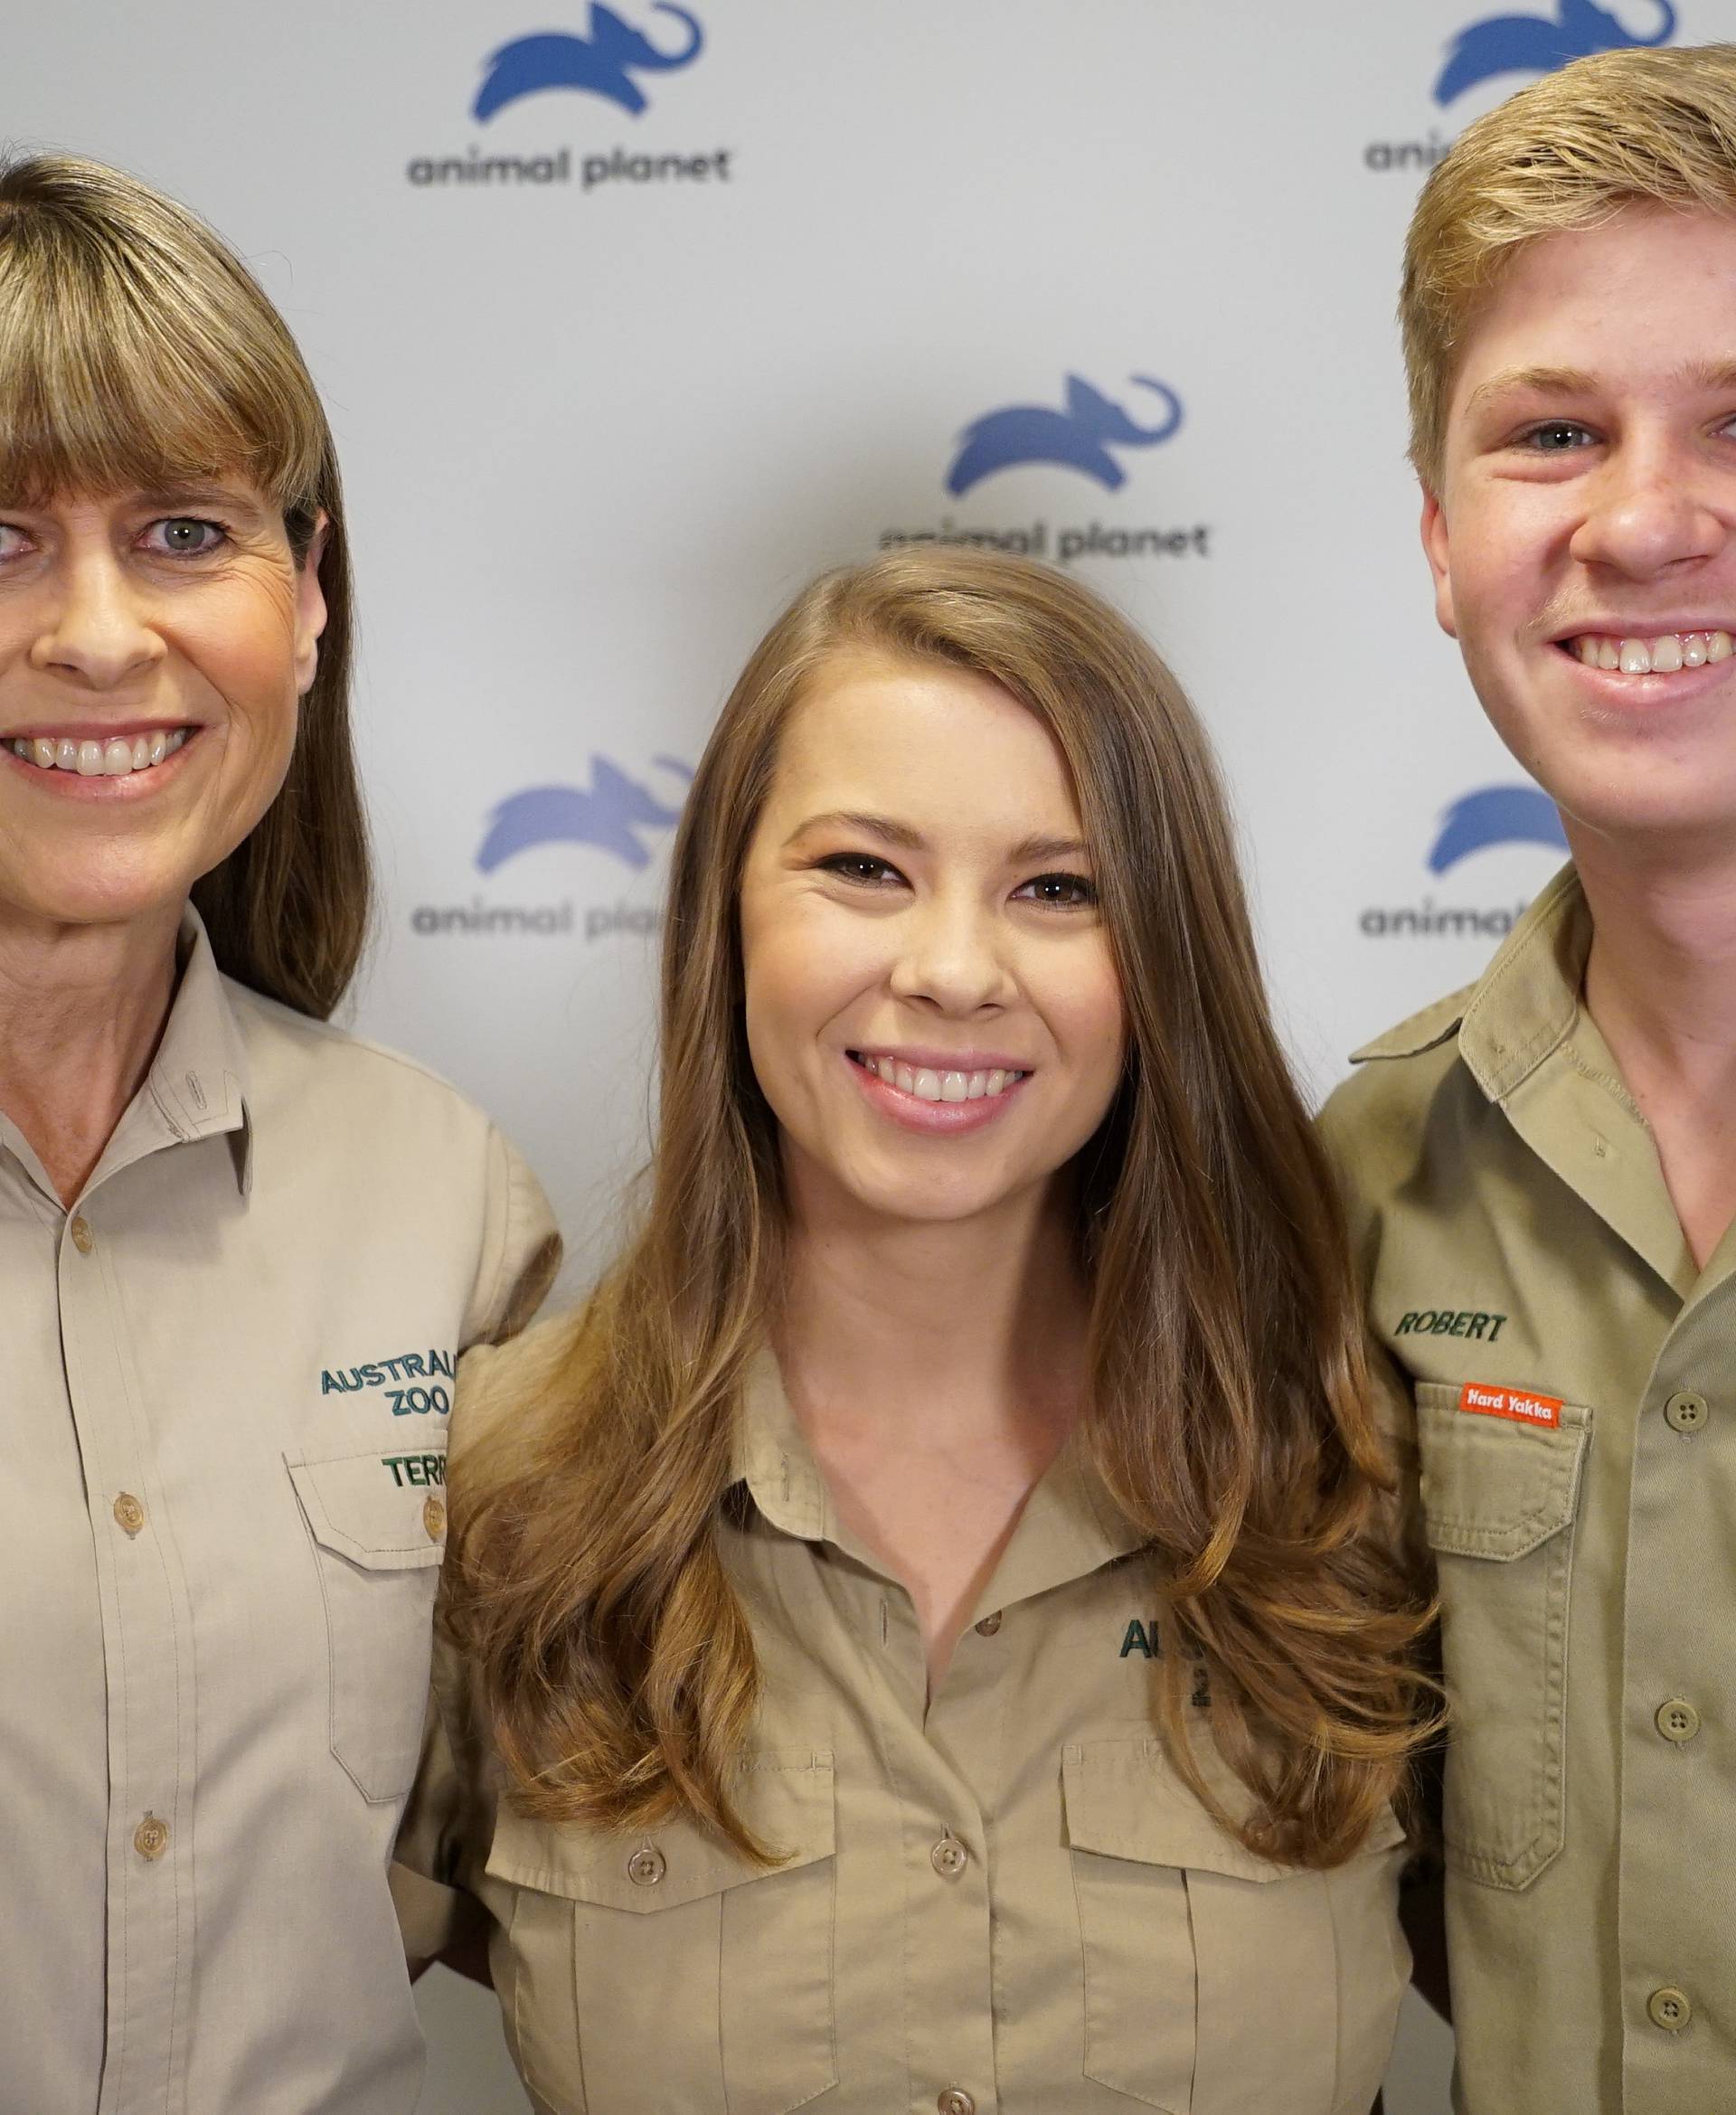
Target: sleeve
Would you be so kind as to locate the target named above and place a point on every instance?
(448, 1822)
(520, 1250)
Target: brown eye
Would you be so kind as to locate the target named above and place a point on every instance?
(1060, 892)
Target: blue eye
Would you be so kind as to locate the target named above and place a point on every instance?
(1557, 436)
(186, 537)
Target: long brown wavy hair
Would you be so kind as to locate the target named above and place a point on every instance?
(1227, 1407)
(136, 350)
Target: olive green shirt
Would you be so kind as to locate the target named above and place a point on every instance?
(1569, 1376)
(1000, 1902)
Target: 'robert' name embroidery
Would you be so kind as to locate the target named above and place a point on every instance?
(1450, 1322)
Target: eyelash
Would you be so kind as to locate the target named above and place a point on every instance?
(159, 522)
(1528, 440)
(1084, 897)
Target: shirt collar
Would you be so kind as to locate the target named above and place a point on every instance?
(1070, 1526)
(1524, 1005)
(197, 1085)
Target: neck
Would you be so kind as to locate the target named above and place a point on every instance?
(980, 1323)
(82, 1012)
(1661, 979)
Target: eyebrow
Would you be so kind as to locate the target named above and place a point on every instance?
(1026, 850)
(1574, 382)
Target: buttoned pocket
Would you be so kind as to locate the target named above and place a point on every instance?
(378, 1527)
(667, 1970)
(1500, 1496)
(1210, 1984)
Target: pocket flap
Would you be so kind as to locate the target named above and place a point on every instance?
(386, 1511)
(1124, 1800)
(1491, 1486)
(784, 1794)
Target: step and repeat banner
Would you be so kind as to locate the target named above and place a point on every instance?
(630, 318)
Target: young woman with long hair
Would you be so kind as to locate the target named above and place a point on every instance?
(931, 1634)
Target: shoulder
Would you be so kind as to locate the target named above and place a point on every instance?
(1374, 1120)
(286, 1049)
(503, 1387)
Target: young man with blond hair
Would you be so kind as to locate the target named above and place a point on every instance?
(1541, 1170)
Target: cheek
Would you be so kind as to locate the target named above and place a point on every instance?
(1089, 1022)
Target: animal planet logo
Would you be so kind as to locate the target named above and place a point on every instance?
(1081, 435)
(602, 63)
(1478, 821)
(612, 815)
(605, 62)
(1497, 46)
(1539, 44)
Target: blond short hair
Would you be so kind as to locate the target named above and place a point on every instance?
(1620, 128)
(137, 351)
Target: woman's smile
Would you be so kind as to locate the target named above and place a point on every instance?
(129, 763)
(924, 1091)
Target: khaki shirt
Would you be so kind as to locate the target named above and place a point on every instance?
(224, 1388)
(1571, 1379)
(1002, 1901)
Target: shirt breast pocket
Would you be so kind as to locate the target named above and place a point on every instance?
(665, 1969)
(1499, 1500)
(1211, 1983)
(378, 1545)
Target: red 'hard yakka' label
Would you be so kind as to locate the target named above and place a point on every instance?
(1517, 1403)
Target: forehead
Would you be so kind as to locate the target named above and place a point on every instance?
(925, 744)
(1648, 294)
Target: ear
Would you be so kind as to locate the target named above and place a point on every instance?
(310, 609)
(1435, 549)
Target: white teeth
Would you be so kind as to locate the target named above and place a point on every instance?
(933, 1084)
(1662, 656)
(115, 759)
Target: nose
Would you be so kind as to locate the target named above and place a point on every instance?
(94, 626)
(1650, 511)
(950, 958)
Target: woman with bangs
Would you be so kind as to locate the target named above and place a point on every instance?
(240, 1251)
(927, 1635)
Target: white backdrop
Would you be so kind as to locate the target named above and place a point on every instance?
(609, 383)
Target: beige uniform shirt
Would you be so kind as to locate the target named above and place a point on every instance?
(1573, 1383)
(225, 1381)
(1000, 1902)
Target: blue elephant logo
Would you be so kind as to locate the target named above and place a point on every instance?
(1079, 437)
(609, 814)
(1538, 43)
(1496, 814)
(602, 63)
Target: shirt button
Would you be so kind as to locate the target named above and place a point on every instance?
(989, 1625)
(949, 1857)
(129, 1514)
(1669, 2009)
(83, 1240)
(647, 1866)
(434, 1518)
(1677, 1720)
(955, 2100)
(151, 1838)
(1685, 1411)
